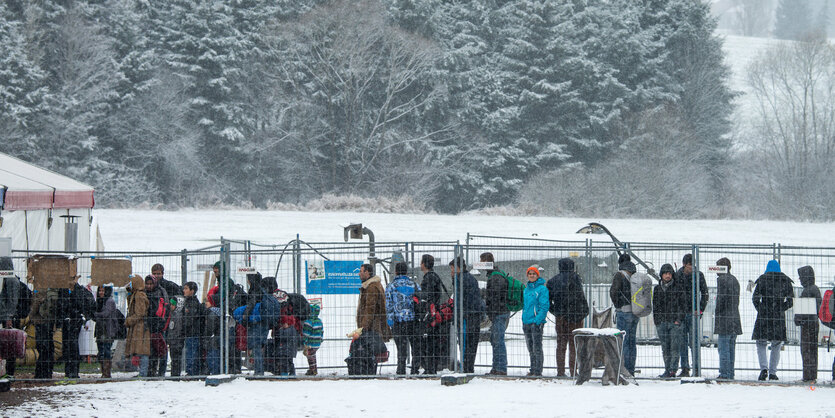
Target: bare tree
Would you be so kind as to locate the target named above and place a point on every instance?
(794, 86)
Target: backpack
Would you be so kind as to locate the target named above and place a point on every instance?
(300, 305)
(48, 308)
(270, 310)
(515, 291)
(827, 309)
(640, 290)
(121, 329)
(158, 316)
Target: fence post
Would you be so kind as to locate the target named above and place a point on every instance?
(458, 320)
(183, 267)
(223, 286)
(589, 280)
(297, 265)
(697, 328)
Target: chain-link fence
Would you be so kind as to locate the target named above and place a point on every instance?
(224, 322)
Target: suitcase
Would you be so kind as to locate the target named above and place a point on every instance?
(12, 343)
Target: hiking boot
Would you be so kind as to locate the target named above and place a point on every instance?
(497, 373)
(763, 375)
(772, 377)
(685, 372)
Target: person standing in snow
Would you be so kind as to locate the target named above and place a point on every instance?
(809, 325)
(312, 334)
(668, 313)
(138, 341)
(684, 276)
(371, 309)
(569, 306)
(620, 294)
(726, 319)
(773, 296)
(106, 327)
(499, 314)
(534, 313)
(194, 324)
(473, 310)
(400, 311)
(432, 289)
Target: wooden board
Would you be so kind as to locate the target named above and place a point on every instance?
(105, 271)
(52, 271)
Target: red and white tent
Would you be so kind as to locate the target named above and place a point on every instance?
(37, 204)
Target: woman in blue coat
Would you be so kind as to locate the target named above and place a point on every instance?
(535, 310)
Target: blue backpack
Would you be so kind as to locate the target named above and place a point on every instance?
(254, 316)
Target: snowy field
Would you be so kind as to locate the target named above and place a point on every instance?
(148, 230)
(425, 398)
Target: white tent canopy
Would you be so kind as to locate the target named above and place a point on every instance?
(31, 198)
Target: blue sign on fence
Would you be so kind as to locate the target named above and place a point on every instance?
(333, 278)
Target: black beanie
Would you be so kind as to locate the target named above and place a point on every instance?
(688, 259)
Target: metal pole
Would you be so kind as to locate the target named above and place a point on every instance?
(458, 320)
(297, 264)
(696, 299)
(183, 267)
(589, 267)
(223, 285)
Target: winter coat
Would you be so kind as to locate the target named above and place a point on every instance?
(496, 296)
(686, 281)
(432, 288)
(772, 298)
(371, 310)
(473, 303)
(194, 317)
(77, 306)
(175, 334)
(726, 317)
(535, 302)
(566, 293)
(312, 330)
(138, 341)
(288, 342)
(620, 291)
(171, 288)
(399, 304)
(105, 317)
(8, 298)
(668, 300)
(810, 290)
(155, 295)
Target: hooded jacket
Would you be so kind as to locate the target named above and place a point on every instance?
(496, 294)
(105, 316)
(473, 303)
(668, 299)
(772, 298)
(312, 329)
(810, 290)
(371, 309)
(726, 319)
(138, 341)
(565, 291)
(535, 302)
(686, 282)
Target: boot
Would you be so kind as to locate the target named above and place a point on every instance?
(685, 372)
(105, 368)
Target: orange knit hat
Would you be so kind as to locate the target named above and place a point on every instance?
(535, 268)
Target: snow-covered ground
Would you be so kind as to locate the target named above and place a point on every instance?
(149, 230)
(426, 398)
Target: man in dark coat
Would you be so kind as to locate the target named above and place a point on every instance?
(78, 306)
(809, 325)
(159, 349)
(569, 306)
(726, 322)
(620, 294)
(498, 313)
(684, 275)
(773, 295)
(473, 307)
(432, 289)
(668, 313)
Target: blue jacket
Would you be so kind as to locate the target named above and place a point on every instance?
(536, 302)
(399, 304)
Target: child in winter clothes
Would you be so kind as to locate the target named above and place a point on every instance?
(809, 325)
(288, 343)
(536, 303)
(312, 333)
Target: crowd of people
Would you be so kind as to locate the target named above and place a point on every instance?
(167, 321)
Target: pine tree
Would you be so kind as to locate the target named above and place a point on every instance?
(793, 20)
